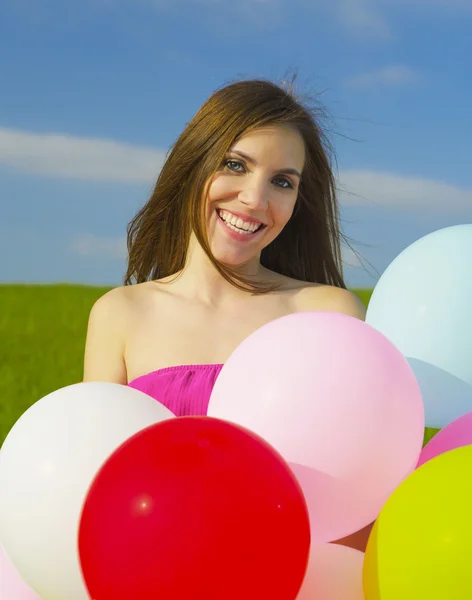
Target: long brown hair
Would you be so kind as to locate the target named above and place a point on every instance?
(309, 246)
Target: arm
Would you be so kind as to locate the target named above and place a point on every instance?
(105, 343)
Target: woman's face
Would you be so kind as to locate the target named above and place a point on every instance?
(252, 197)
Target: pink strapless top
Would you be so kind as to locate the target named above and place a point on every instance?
(185, 389)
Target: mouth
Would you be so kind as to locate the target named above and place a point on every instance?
(239, 225)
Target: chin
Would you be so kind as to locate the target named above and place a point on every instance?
(234, 261)
(234, 256)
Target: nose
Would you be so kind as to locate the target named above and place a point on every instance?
(254, 195)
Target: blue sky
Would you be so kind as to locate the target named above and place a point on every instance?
(92, 94)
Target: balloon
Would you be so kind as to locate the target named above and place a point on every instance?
(12, 587)
(456, 434)
(334, 573)
(47, 463)
(338, 401)
(420, 544)
(422, 304)
(194, 508)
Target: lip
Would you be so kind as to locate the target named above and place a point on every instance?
(241, 216)
(240, 237)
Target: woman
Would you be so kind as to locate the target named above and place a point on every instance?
(241, 228)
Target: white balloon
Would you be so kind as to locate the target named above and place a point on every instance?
(47, 464)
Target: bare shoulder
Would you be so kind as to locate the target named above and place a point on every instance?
(113, 300)
(108, 324)
(118, 303)
(330, 298)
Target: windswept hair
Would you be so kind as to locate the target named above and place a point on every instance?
(309, 246)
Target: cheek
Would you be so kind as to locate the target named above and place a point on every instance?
(282, 211)
(219, 188)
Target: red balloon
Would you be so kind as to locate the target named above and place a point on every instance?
(194, 508)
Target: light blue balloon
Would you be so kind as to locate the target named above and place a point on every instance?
(423, 304)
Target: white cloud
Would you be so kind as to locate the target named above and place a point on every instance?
(361, 16)
(366, 18)
(70, 157)
(451, 5)
(90, 159)
(98, 247)
(397, 191)
(114, 247)
(219, 16)
(391, 76)
(372, 17)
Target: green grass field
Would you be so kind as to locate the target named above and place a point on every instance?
(42, 333)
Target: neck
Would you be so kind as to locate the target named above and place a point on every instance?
(201, 280)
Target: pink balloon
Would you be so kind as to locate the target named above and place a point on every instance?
(339, 402)
(456, 434)
(12, 587)
(334, 573)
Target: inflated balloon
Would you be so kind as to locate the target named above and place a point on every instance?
(194, 508)
(420, 544)
(338, 401)
(334, 573)
(422, 303)
(12, 587)
(456, 434)
(47, 463)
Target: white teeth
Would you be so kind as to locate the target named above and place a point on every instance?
(237, 223)
(238, 230)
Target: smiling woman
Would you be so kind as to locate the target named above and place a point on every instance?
(241, 229)
(254, 197)
(257, 132)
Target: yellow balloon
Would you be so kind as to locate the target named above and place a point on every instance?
(421, 544)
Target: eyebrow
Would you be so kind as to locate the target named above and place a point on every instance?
(287, 171)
